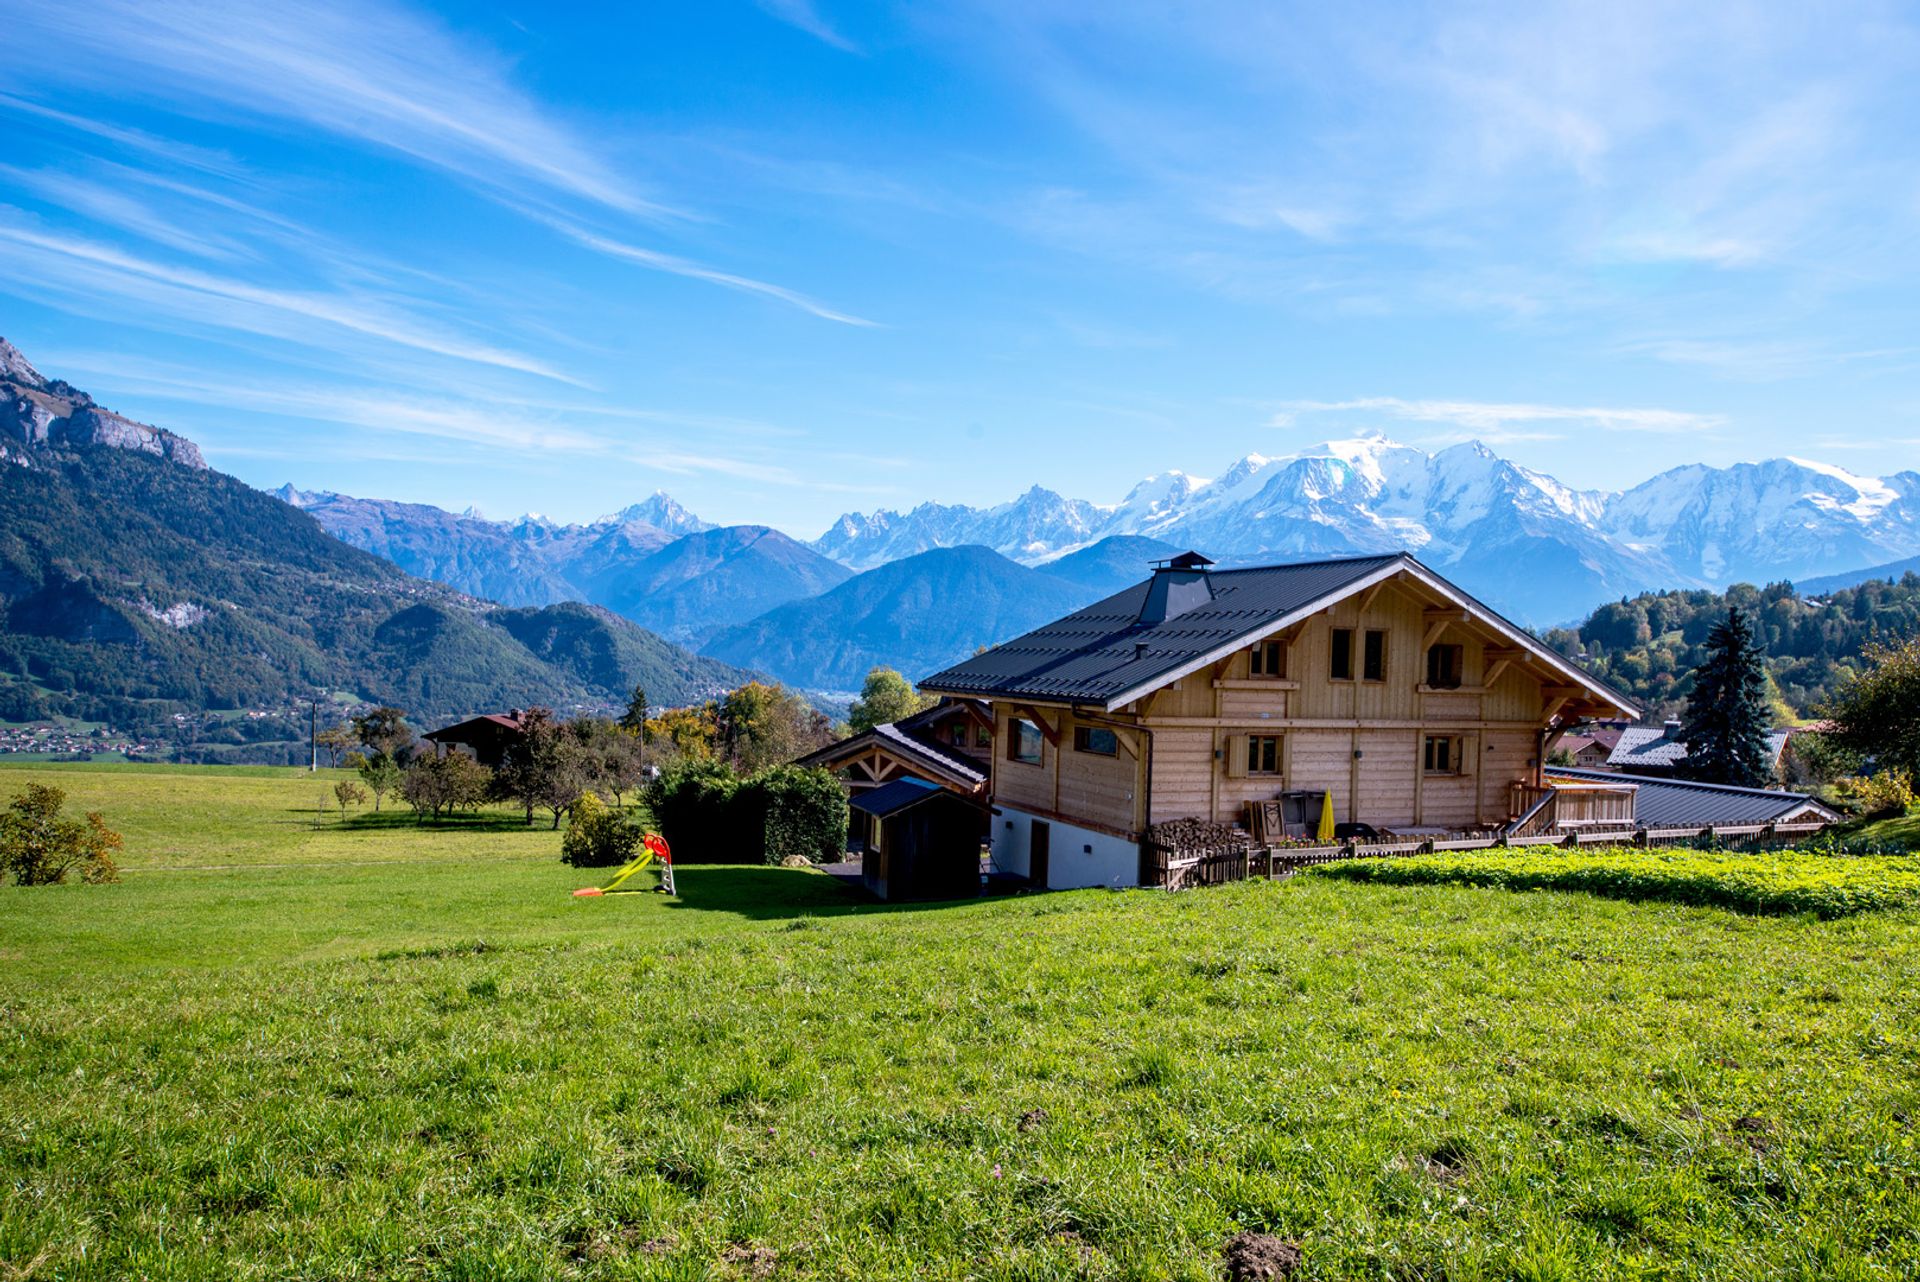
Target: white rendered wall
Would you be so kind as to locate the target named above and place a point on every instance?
(1076, 857)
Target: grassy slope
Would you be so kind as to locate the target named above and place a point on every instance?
(311, 1070)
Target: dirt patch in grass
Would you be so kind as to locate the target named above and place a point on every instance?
(1260, 1257)
(751, 1262)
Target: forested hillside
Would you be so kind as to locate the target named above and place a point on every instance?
(1648, 645)
(137, 584)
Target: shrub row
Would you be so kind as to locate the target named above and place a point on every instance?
(711, 815)
(1762, 882)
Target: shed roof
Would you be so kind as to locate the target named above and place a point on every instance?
(891, 798)
(1663, 801)
(1110, 653)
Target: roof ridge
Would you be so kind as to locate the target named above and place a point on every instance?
(1680, 782)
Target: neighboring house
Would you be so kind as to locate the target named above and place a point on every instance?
(486, 738)
(1666, 802)
(1371, 679)
(1582, 750)
(1657, 749)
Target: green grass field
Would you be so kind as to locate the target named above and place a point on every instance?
(277, 1050)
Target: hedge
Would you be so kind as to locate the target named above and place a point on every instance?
(711, 815)
(1762, 882)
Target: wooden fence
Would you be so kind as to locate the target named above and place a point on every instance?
(1177, 869)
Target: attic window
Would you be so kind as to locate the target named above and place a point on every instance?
(1269, 659)
(1444, 664)
(1373, 656)
(1023, 742)
(1341, 666)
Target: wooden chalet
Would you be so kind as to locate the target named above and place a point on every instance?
(1370, 679)
(486, 738)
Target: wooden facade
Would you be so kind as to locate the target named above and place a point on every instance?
(1342, 704)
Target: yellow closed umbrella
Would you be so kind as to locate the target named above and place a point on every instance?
(1326, 816)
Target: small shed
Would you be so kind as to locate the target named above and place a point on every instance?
(925, 841)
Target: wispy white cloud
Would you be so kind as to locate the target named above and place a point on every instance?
(167, 149)
(102, 271)
(360, 68)
(1506, 421)
(805, 16)
(674, 265)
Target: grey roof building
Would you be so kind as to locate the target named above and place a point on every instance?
(1649, 748)
(1665, 802)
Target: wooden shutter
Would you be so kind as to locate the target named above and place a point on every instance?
(1236, 749)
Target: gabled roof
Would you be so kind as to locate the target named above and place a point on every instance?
(1106, 655)
(890, 798)
(1659, 747)
(1662, 801)
(922, 752)
(492, 721)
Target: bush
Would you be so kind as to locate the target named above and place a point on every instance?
(710, 814)
(598, 835)
(797, 812)
(1886, 795)
(1759, 882)
(39, 848)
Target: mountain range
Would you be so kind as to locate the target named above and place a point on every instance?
(1540, 550)
(137, 584)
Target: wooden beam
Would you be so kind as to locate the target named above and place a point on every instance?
(1435, 630)
(1367, 597)
(1553, 708)
(1495, 671)
(1049, 731)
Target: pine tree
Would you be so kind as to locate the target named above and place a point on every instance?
(1727, 718)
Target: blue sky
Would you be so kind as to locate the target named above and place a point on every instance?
(790, 258)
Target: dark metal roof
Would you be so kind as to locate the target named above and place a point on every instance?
(1108, 654)
(890, 798)
(1104, 650)
(1663, 802)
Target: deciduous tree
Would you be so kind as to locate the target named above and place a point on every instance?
(384, 731)
(39, 848)
(1876, 715)
(546, 766)
(434, 786)
(885, 696)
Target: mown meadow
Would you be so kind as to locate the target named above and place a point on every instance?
(283, 1048)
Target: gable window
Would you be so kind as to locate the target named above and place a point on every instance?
(1341, 667)
(983, 736)
(958, 734)
(1444, 663)
(1023, 742)
(1098, 740)
(1263, 754)
(1442, 755)
(1373, 656)
(1269, 659)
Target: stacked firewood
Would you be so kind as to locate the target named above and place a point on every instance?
(1195, 834)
